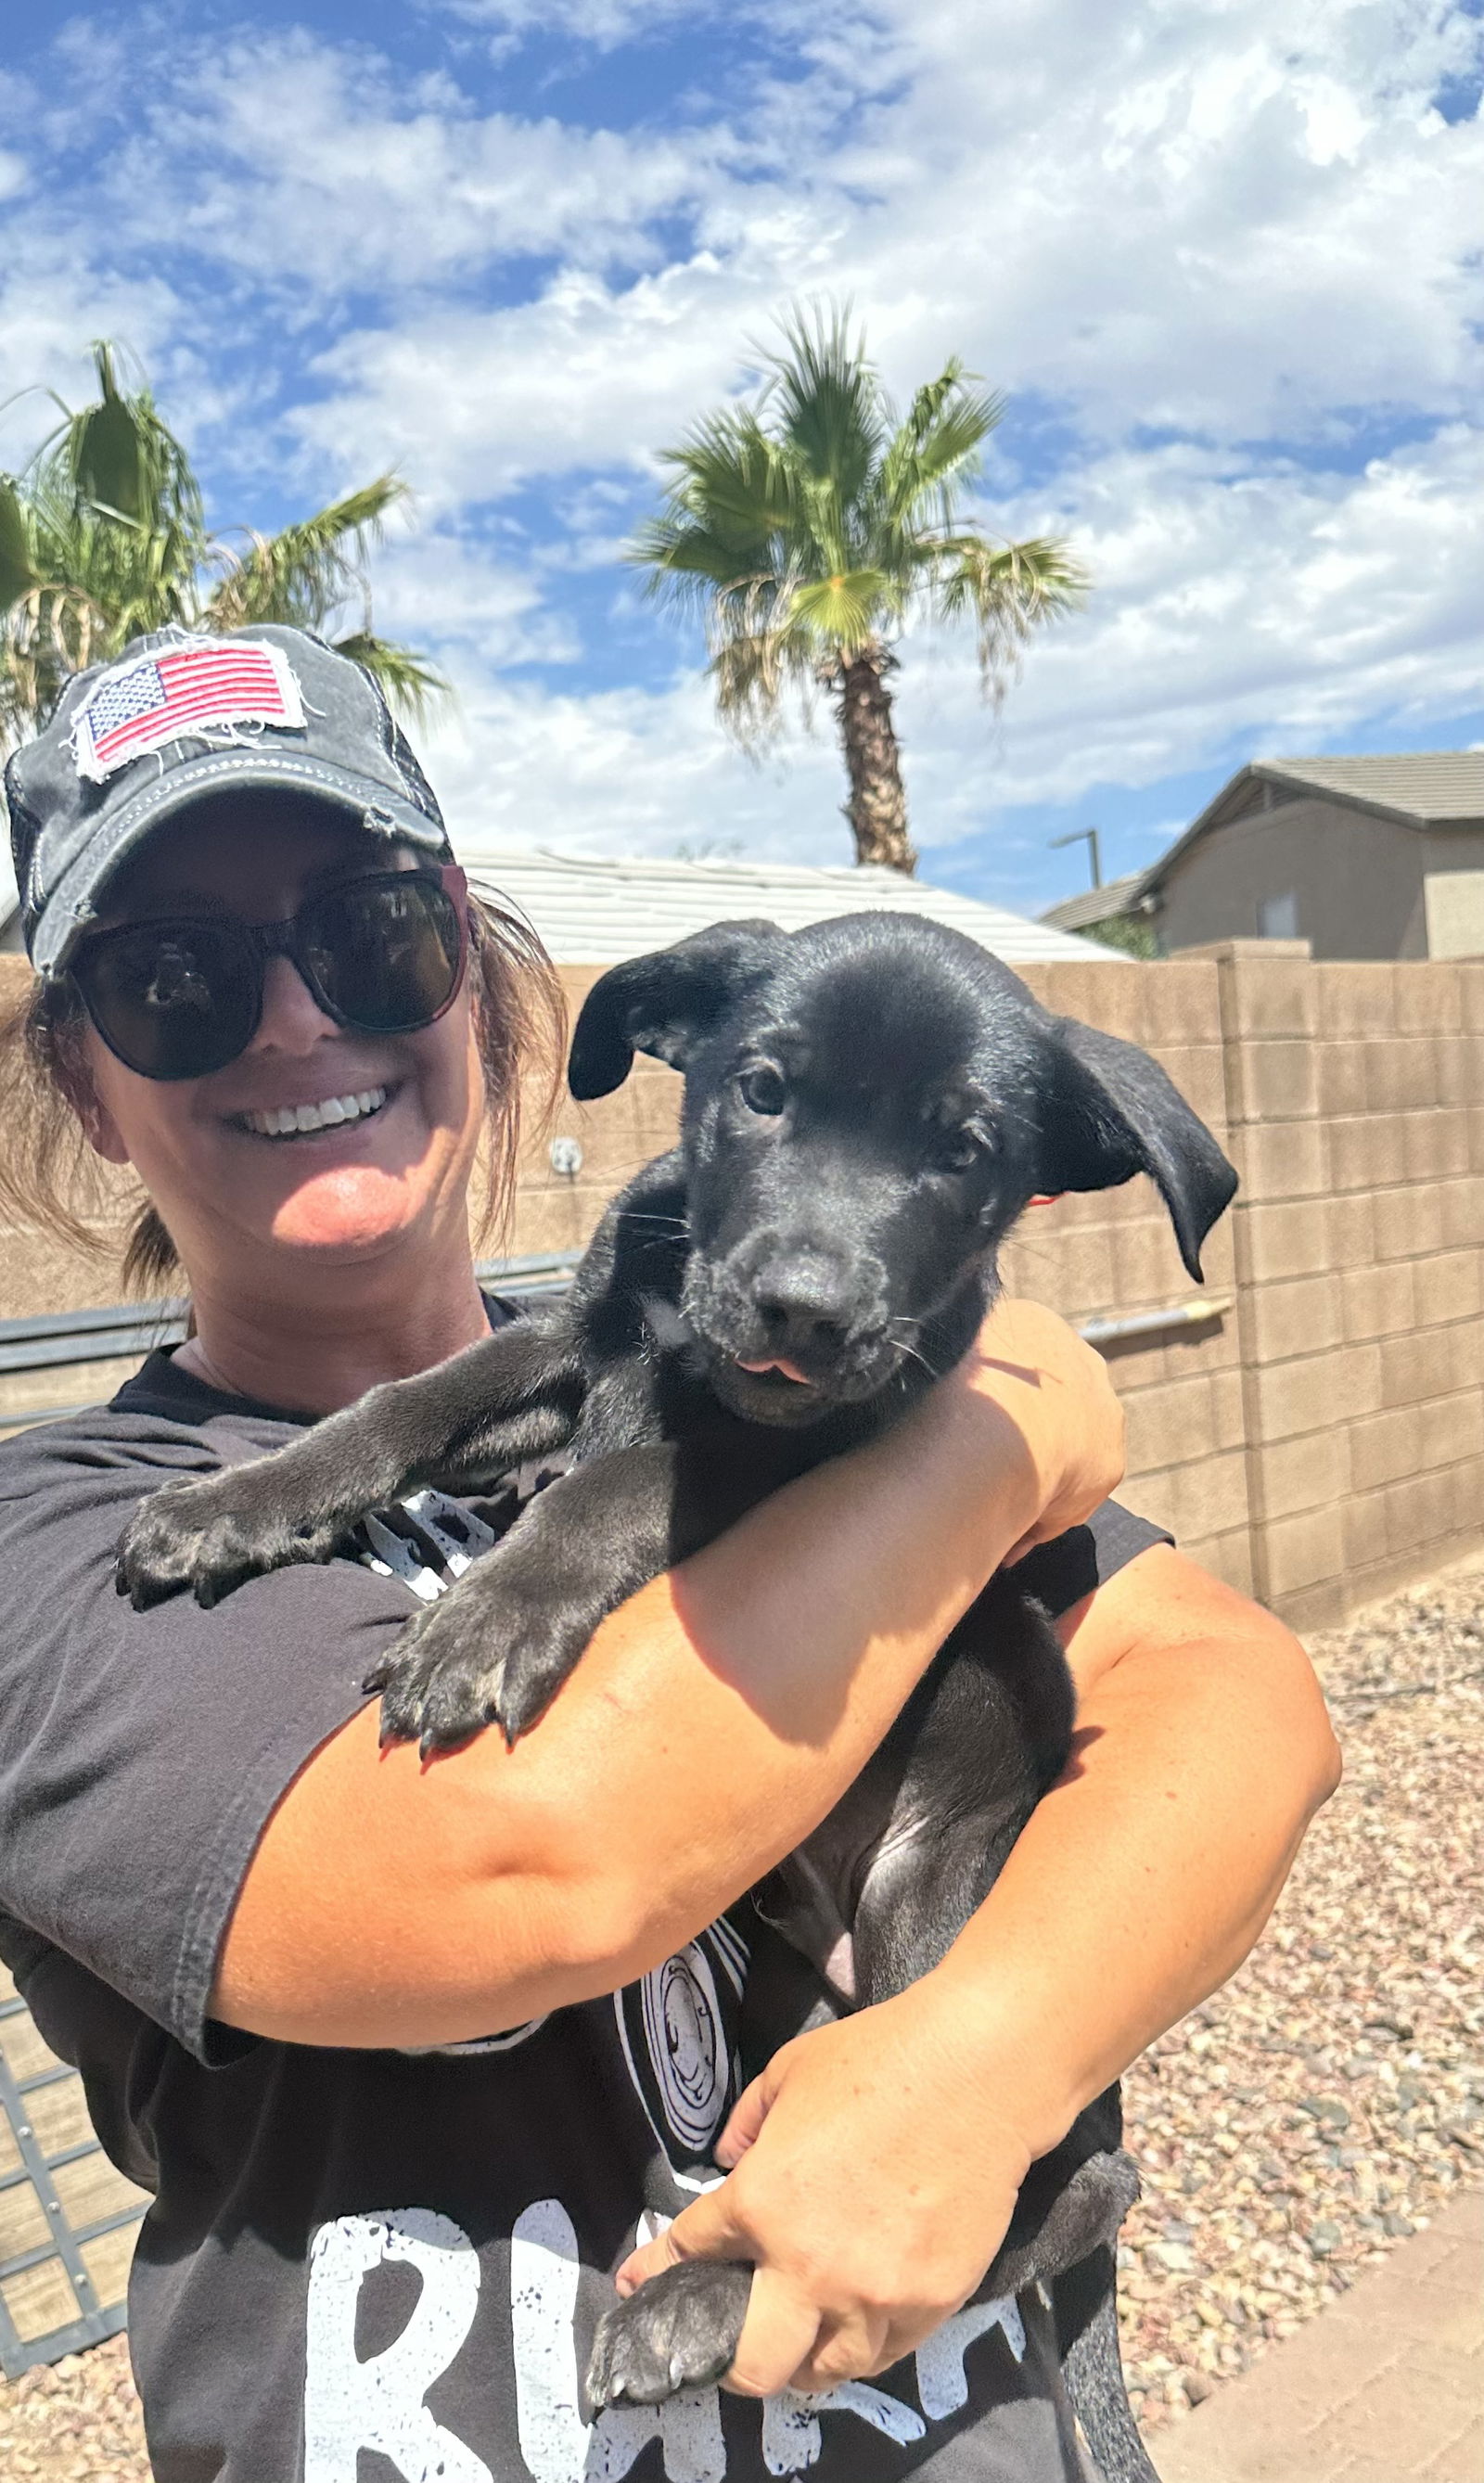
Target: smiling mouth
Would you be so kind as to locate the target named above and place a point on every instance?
(307, 1120)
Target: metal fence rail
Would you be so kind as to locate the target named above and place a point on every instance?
(121, 1331)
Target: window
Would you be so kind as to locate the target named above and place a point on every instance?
(1278, 917)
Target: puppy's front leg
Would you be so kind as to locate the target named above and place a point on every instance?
(497, 1648)
(516, 1395)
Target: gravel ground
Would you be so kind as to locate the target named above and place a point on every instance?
(1291, 2131)
(1325, 2103)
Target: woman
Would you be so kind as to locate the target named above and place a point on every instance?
(349, 2016)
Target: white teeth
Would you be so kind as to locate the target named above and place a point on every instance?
(291, 1120)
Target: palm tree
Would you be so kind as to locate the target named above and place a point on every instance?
(809, 527)
(104, 535)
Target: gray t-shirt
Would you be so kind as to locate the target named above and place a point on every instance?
(367, 2265)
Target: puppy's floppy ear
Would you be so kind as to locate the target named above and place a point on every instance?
(667, 1002)
(1111, 1112)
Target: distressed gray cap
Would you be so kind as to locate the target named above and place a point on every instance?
(178, 716)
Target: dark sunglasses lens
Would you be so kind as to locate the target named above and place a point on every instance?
(172, 1000)
(384, 955)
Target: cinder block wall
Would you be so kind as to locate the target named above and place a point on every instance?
(1318, 1437)
(1356, 1107)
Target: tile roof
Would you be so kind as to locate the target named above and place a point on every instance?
(1095, 904)
(1422, 783)
(593, 911)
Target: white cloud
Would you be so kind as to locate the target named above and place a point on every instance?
(1221, 219)
(437, 589)
(311, 165)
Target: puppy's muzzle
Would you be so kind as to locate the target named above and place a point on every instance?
(796, 1313)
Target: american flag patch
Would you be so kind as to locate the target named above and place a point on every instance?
(189, 688)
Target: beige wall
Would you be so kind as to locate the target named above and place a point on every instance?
(1317, 1441)
(1357, 881)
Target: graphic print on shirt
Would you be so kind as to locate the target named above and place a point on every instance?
(674, 2026)
(377, 2403)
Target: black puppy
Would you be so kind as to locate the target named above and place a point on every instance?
(869, 1105)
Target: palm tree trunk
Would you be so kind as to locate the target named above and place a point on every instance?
(877, 808)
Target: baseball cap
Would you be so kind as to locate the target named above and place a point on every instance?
(179, 715)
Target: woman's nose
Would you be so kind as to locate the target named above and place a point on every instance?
(292, 1019)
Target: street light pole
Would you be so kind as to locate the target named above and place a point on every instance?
(1088, 838)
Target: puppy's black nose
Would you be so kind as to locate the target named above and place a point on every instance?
(794, 1327)
(807, 1305)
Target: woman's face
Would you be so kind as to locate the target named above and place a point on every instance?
(235, 1199)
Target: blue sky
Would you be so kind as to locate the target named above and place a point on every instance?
(1225, 257)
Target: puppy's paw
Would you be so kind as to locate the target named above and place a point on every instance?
(438, 1680)
(486, 1653)
(209, 1536)
(680, 2331)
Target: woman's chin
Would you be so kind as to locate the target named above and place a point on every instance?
(350, 1212)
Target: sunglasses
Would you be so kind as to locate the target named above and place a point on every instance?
(182, 995)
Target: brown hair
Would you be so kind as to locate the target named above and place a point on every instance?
(50, 1177)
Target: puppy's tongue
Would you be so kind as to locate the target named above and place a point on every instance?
(790, 1369)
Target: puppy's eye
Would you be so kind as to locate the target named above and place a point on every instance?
(762, 1090)
(962, 1149)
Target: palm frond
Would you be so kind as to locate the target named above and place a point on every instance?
(844, 612)
(935, 450)
(728, 474)
(1009, 589)
(751, 670)
(18, 573)
(828, 400)
(307, 571)
(408, 680)
(125, 461)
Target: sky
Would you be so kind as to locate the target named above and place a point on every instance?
(1224, 258)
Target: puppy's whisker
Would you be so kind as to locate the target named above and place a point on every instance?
(909, 1354)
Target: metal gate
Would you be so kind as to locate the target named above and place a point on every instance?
(68, 2218)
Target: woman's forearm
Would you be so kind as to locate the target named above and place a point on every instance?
(1147, 1872)
(713, 1721)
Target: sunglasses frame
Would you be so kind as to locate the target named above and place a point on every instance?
(264, 941)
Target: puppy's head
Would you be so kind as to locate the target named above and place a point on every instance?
(869, 1105)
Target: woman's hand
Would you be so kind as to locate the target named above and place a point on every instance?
(874, 2180)
(1056, 1393)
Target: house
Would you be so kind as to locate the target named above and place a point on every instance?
(1117, 914)
(593, 911)
(1364, 857)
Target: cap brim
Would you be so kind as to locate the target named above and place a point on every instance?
(73, 902)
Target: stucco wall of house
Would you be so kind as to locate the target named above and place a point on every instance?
(1357, 881)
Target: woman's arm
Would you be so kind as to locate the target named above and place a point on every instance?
(878, 2159)
(713, 1721)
